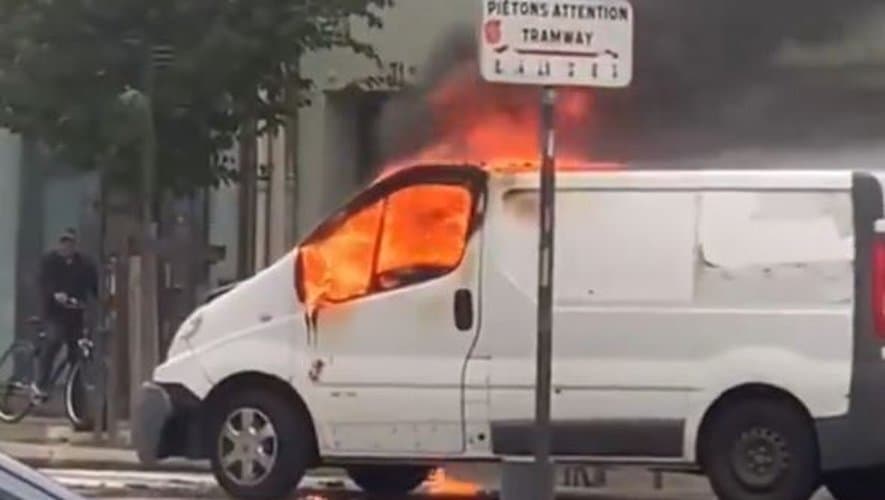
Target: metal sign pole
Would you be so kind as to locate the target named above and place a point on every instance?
(508, 55)
(545, 297)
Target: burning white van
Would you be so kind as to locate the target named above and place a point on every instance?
(731, 322)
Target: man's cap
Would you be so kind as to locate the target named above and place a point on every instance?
(68, 235)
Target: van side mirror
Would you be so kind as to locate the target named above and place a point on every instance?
(464, 310)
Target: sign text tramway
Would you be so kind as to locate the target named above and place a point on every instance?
(557, 43)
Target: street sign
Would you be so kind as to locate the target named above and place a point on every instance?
(552, 43)
(587, 43)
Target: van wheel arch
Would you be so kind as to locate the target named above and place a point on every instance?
(243, 380)
(741, 393)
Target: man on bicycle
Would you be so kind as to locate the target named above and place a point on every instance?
(68, 279)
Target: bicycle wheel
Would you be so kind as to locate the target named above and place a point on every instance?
(17, 368)
(81, 392)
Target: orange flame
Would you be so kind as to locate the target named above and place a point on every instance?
(422, 229)
(416, 232)
(338, 266)
(498, 126)
(440, 484)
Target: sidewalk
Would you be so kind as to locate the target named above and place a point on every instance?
(54, 430)
(72, 456)
(47, 443)
(51, 443)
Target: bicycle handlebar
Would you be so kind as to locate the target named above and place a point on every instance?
(71, 303)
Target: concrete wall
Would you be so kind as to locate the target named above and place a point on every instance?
(273, 225)
(69, 199)
(326, 164)
(49, 197)
(10, 181)
(411, 29)
(223, 223)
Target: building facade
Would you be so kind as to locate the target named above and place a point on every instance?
(38, 199)
(329, 151)
(10, 178)
(335, 151)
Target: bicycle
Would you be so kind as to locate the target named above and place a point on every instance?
(19, 365)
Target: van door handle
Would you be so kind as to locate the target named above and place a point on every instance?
(464, 310)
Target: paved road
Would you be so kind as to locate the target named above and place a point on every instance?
(132, 485)
(181, 486)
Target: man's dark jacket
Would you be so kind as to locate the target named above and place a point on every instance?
(76, 276)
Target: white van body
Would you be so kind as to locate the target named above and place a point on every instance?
(674, 290)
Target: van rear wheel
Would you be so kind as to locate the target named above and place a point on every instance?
(760, 448)
(857, 484)
(260, 446)
(384, 481)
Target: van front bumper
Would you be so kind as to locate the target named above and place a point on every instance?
(167, 423)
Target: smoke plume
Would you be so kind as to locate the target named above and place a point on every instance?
(709, 75)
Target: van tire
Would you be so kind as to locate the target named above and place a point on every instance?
(292, 442)
(760, 448)
(857, 484)
(385, 481)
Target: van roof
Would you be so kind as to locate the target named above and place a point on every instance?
(613, 176)
(685, 179)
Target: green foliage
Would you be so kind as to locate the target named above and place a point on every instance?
(64, 64)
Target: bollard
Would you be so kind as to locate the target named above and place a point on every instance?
(599, 477)
(518, 481)
(103, 387)
(95, 373)
(111, 399)
(658, 479)
(110, 367)
(134, 331)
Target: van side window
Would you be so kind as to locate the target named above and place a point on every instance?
(770, 249)
(424, 233)
(615, 247)
(338, 266)
(414, 234)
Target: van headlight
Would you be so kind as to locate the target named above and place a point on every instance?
(185, 333)
(191, 327)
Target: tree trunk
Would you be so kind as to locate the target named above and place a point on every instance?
(248, 159)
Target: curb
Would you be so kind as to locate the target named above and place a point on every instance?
(117, 459)
(98, 464)
(66, 456)
(51, 433)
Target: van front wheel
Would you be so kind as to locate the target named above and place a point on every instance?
(379, 480)
(260, 447)
(760, 448)
(859, 484)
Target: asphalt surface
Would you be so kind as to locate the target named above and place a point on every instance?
(127, 485)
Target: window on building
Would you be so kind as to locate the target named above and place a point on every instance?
(369, 151)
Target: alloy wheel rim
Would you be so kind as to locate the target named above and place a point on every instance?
(247, 446)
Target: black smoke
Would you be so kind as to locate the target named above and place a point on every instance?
(406, 120)
(708, 76)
